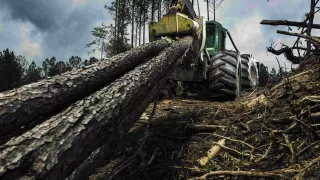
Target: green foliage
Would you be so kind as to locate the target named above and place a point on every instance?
(273, 72)
(33, 73)
(75, 62)
(263, 75)
(92, 60)
(274, 76)
(52, 68)
(23, 63)
(11, 70)
(100, 33)
(115, 46)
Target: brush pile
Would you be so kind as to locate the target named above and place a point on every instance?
(269, 134)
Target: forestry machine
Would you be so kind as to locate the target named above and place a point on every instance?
(215, 72)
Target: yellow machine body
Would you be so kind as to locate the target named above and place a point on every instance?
(173, 24)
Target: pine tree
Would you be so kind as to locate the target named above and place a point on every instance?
(11, 70)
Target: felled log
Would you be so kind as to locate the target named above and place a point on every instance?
(25, 107)
(98, 156)
(56, 147)
(288, 23)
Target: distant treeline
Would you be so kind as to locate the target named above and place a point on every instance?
(15, 70)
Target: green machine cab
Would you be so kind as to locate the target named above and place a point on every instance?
(215, 37)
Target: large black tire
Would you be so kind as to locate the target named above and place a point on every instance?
(224, 74)
(250, 76)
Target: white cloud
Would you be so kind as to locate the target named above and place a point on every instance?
(24, 31)
(248, 37)
(247, 34)
(80, 2)
(29, 48)
(77, 2)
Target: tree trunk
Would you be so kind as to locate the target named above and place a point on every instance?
(288, 23)
(140, 26)
(208, 10)
(132, 23)
(59, 145)
(152, 11)
(122, 25)
(312, 6)
(23, 108)
(145, 9)
(214, 10)
(116, 29)
(97, 157)
(159, 10)
(136, 40)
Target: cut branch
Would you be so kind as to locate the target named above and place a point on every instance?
(288, 53)
(300, 35)
(288, 23)
(214, 150)
(202, 128)
(301, 173)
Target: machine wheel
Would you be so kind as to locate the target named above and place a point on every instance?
(250, 76)
(224, 74)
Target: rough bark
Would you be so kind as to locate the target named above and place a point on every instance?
(152, 10)
(140, 26)
(288, 23)
(159, 10)
(116, 26)
(132, 23)
(53, 149)
(136, 35)
(144, 21)
(98, 156)
(28, 105)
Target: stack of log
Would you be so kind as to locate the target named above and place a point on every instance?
(63, 126)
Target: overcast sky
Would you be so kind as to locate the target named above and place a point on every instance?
(39, 29)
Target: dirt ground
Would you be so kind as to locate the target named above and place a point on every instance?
(271, 133)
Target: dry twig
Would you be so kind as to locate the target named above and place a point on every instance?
(289, 145)
(243, 173)
(234, 140)
(232, 150)
(212, 152)
(301, 173)
(306, 148)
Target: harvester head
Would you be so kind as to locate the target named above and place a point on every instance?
(180, 21)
